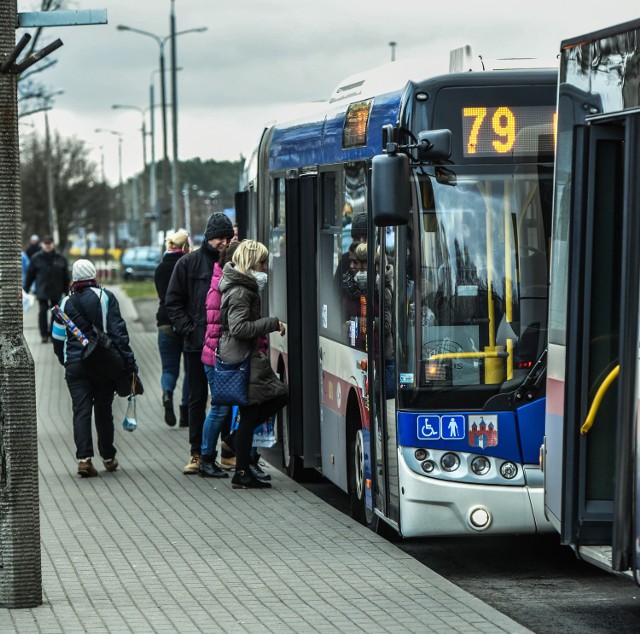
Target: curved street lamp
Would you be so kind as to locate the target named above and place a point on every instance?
(161, 41)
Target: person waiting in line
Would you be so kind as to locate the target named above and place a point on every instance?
(185, 302)
(89, 304)
(50, 271)
(170, 344)
(242, 325)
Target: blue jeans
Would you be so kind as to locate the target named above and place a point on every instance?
(213, 422)
(170, 348)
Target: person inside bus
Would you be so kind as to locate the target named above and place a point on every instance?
(358, 236)
(242, 325)
(353, 293)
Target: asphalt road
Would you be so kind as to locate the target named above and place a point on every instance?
(533, 580)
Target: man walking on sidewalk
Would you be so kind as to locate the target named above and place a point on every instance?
(50, 271)
(185, 303)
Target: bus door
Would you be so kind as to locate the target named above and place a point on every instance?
(601, 466)
(300, 426)
(382, 375)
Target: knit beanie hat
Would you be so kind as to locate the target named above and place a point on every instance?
(83, 270)
(359, 226)
(218, 226)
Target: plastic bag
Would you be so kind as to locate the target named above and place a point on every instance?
(265, 435)
(27, 301)
(235, 418)
(130, 422)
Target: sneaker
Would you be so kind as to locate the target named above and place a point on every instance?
(258, 473)
(110, 465)
(227, 462)
(192, 466)
(209, 468)
(244, 480)
(86, 469)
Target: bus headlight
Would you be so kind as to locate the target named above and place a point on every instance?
(421, 454)
(480, 465)
(508, 470)
(428, 466)
(449, 462)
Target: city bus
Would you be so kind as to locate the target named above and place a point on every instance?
(415, 347)
(592, 440)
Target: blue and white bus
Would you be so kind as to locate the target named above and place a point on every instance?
(415, 348)
(592, 440)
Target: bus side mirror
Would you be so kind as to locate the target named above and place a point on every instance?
(434, 145)
(390, 194)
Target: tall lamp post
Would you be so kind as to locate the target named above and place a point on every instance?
(120, 188)
(143, 130)
(161, 41)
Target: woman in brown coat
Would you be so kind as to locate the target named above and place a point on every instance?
(242, 324)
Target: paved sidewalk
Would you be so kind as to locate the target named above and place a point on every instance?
(148, 549)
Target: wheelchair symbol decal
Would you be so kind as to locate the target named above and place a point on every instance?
(428, 427)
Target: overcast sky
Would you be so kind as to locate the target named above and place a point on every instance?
(259, 57)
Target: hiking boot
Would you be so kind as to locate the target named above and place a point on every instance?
(191, 467)
(258, 473)
(167, 403)
(209, 468)
(86, 469)
(244, 480)
(255, 466)
(228, 443)
(110, 465)
(184, 416)
(227, 459)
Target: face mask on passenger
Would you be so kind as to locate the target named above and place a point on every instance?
(261, 278)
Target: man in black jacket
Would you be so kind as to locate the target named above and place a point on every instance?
(50, 271)
(185, 303)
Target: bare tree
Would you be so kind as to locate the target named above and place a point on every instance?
(20, 564)
(79, 197)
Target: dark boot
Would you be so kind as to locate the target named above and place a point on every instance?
(184, 416)
(167, 403)
(244, 480)
(256, 470)
(209, 468)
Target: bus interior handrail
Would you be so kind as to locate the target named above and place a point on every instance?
(595, 406)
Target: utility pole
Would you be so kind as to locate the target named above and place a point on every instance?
(20, 555)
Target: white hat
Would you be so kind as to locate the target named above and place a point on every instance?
(83, 270)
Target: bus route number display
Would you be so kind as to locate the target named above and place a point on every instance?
(508, 130)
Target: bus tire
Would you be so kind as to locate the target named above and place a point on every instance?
(356, 468)
(291, 463)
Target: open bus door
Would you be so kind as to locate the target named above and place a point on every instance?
(600, 471)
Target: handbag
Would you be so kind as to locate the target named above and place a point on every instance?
(230, 385)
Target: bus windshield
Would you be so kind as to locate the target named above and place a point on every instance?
(477, 276)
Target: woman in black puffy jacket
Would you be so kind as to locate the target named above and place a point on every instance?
(89, 304)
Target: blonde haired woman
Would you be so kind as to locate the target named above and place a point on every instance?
(169, 342)
(242, 325)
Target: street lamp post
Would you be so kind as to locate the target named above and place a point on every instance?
(120, 187)
(161, 41)
(143, 130)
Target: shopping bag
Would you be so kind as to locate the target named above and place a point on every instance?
(265, 435)
(130, 422)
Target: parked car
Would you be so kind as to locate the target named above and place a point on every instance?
(139, 263)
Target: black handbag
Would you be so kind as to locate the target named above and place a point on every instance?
(230, 385)
(103, 360)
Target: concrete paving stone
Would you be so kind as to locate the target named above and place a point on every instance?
(148, 549)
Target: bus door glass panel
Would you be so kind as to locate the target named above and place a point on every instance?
(602, 305)
(277, 251)
(481, 293)
(384, 364)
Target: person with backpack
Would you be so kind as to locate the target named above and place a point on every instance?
(88, 305)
